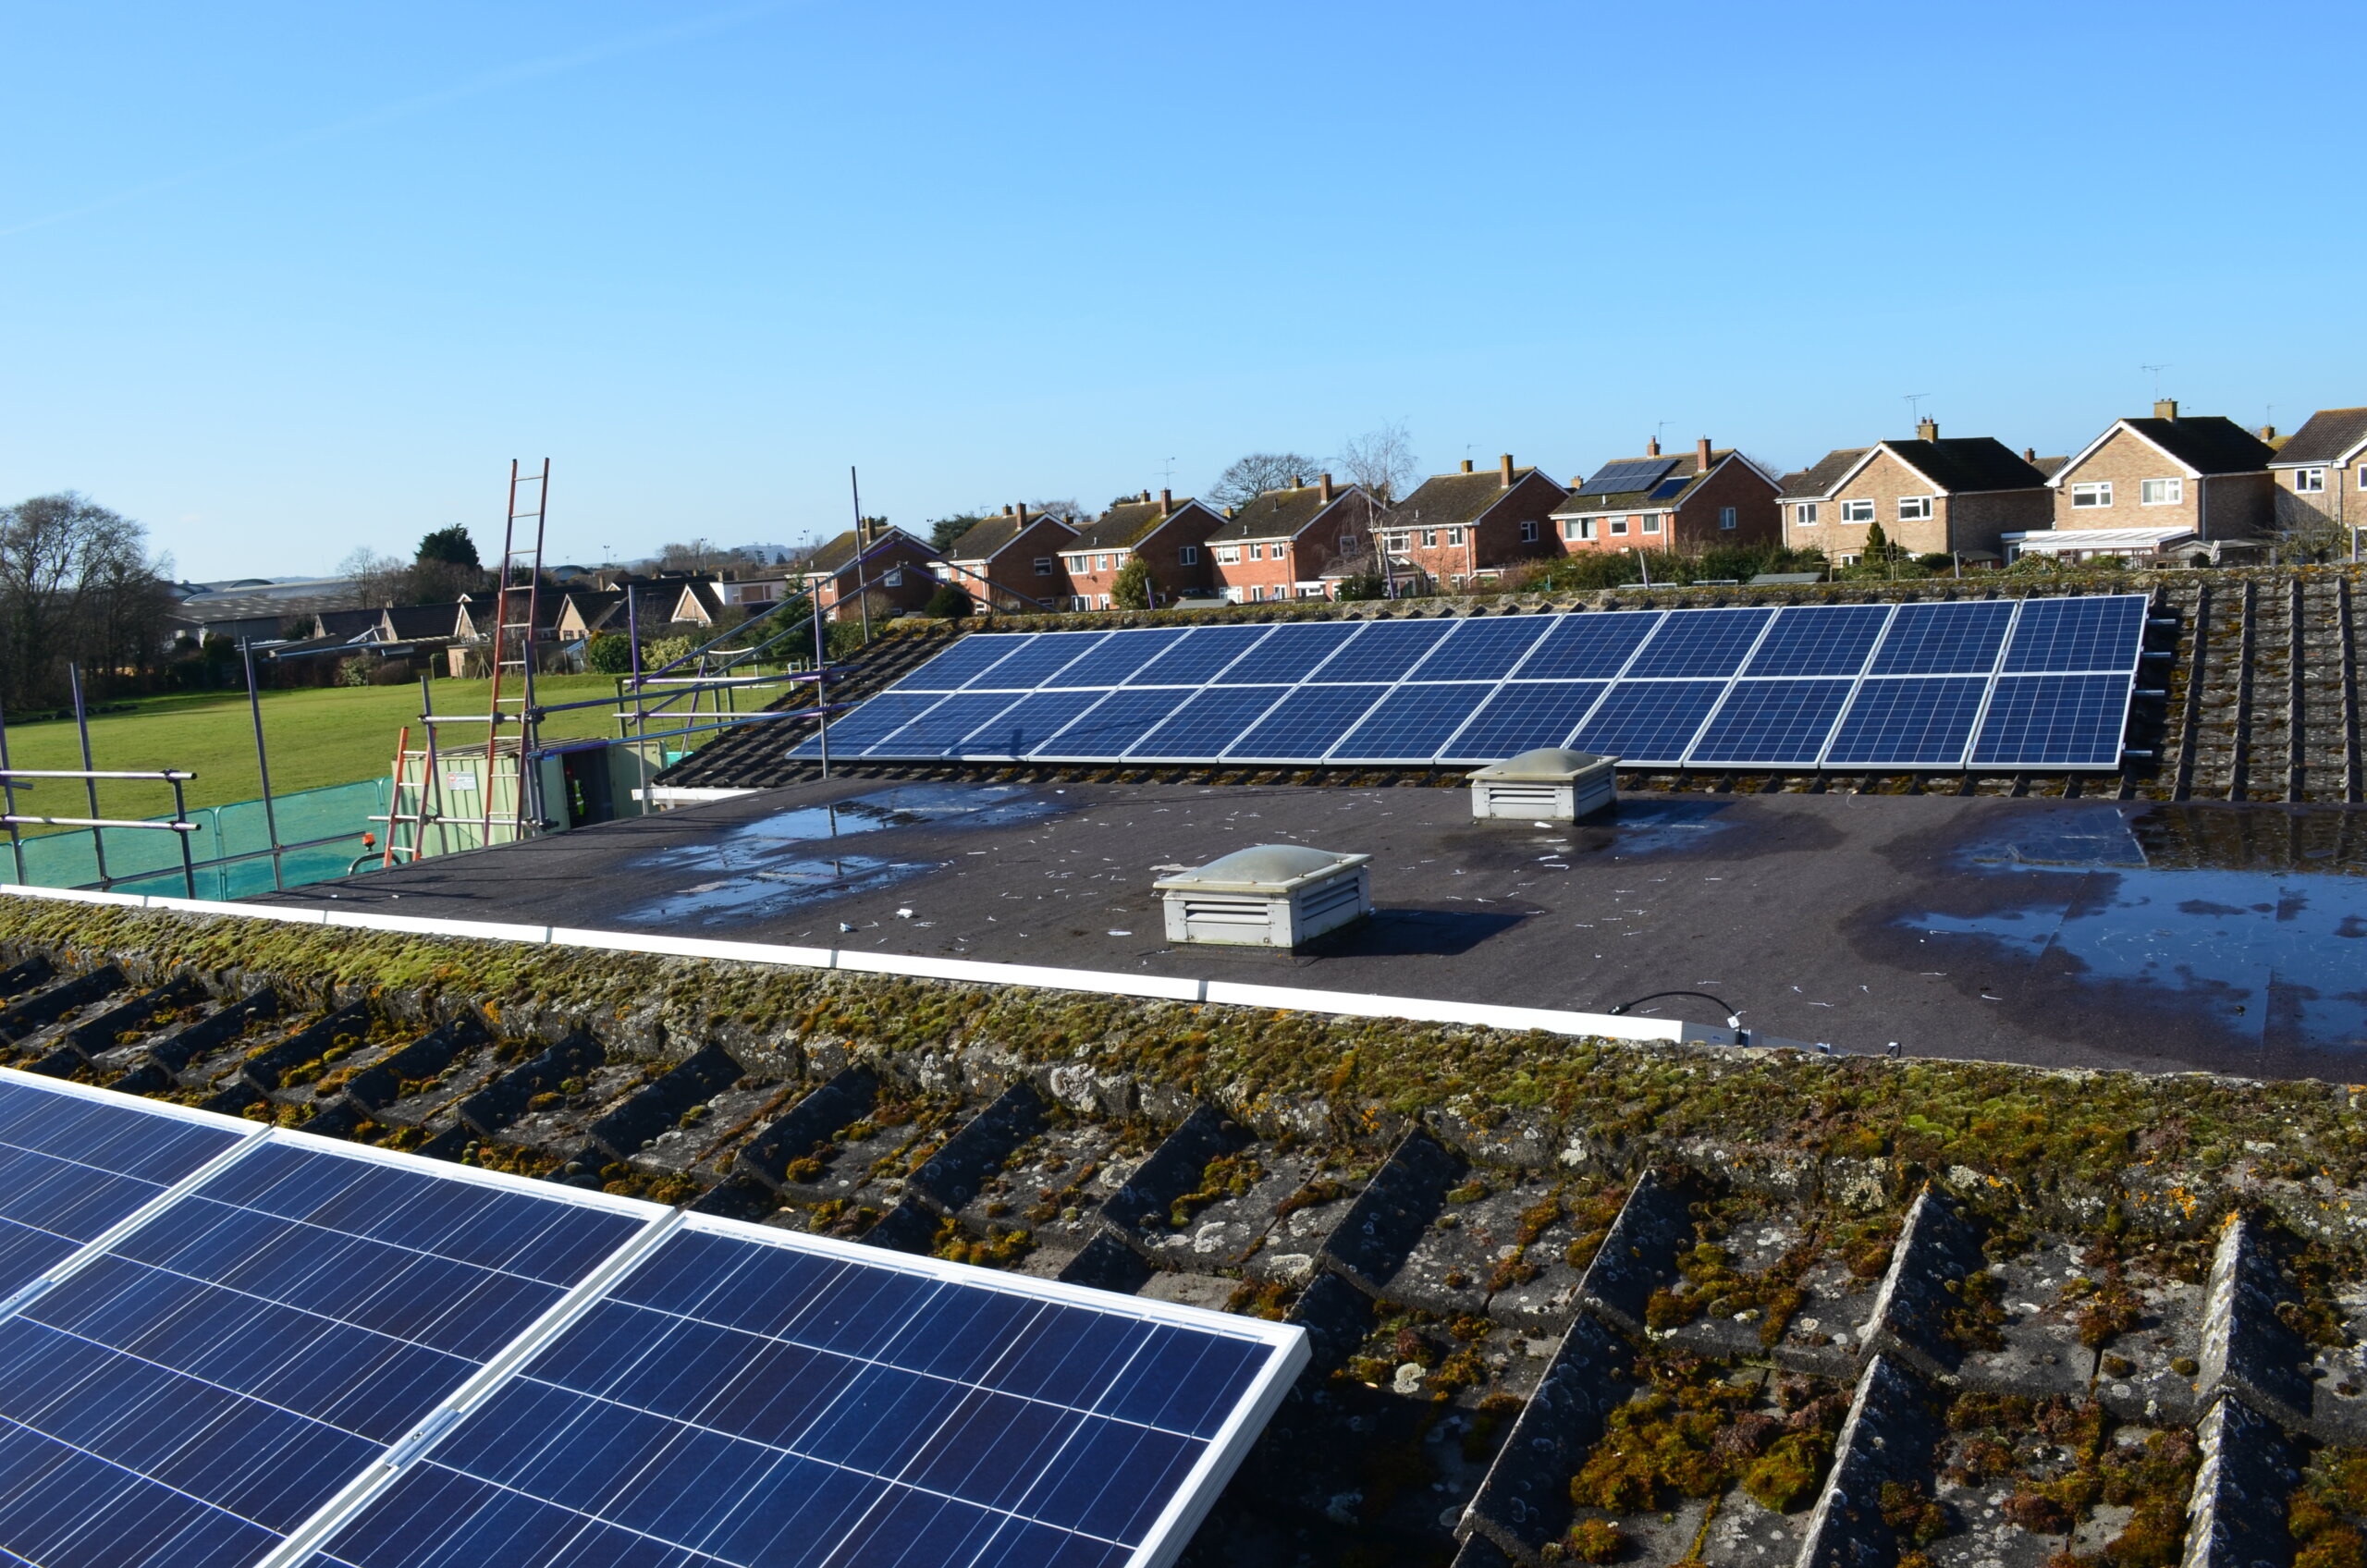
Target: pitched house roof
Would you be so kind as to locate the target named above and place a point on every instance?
(1667, 492)
(1445, 500)
(1127, 523)
(409, 623)
(1280, 514)
(345, 625)
(2050, 465)
(2204, 443)
(1819, 478)
(1958, 465)
(991, 538)
(839, 552)
(2330, 436)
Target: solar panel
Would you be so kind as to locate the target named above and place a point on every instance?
(1772, 723)
(1208, 722)
(1649, 722)
(972, 655)
(1523, 716)
(1412, 722)
(197, 1391)
(2054, 721)
(1961, 639)
(1645, 682)
(1630, 474)
(2074, 636)
(1668, 488)
(1305, 725)
(1819, 639)
(1385, 651)
(1704, 643)
(750, 1397)
(1909, 721)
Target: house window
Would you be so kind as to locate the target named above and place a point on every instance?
(2362, 478)
(1454, 536)
(1188, 556)
(1619, 525)
(1077, 563)
(894, 578)
(2098, 493)
(2309, 481)
(1652, 524)
(1044, 564)
(1856, 511)
(1586, 528)
(1429, 538)
(2160, 492)
(1227, 554)
(1726, 517)
(1348, 543)
(1101, 563)
(1529, 532)
(1804, 514)
(1914, 508)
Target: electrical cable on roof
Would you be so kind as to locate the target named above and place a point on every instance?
(1733, 1018)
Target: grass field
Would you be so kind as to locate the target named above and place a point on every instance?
(329, 735)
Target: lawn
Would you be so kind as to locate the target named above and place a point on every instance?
(327, 735)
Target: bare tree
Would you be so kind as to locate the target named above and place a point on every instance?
(379, 581)
(697, 554)
(75, 583)
(1251, 476)
(1382, 460)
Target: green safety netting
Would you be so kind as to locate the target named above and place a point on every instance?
(148, 861)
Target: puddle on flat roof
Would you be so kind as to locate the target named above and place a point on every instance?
(2252, 919)
(771, 866)
(1644, 826)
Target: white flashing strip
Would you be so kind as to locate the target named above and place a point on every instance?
(1157, 987)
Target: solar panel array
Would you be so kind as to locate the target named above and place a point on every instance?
(1997, 684)
(221, 1345)
(1630, 474)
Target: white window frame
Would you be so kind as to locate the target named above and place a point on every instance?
(1804, 515)
(1528, 531)
(894, 578)
(1077, 563)
(1454, 536)
(2309, 481)
(1915, 509)
(1618, 526)
(1429, 538)
(1101, 563)
(2092, 495)
(1187, 555)
(2363, 476)
(1726, 517)
(1857, 511)
(1045, 566)
(2171, 492)
(1651, 522)
(1229, 555)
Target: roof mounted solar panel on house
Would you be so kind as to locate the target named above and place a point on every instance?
(1588, 647)
(1410, 724)
(1696, 645)
(1200, 658)
(1631, 473)
(1819, 640)
(1522, 717)
(1957, 639)
(1649, 723)
(1118, 657)
(1039, 663)
(1027, 724)
(1208, 722)
(1483, 647)
(1110, 728)
(939, 731)
(2076, 636)
(1385, 650)
(970, 657)
(2051, 721)
(870, 723)
(1770, 724)
(1305, 725)
(1291, 652)
(1915, 721)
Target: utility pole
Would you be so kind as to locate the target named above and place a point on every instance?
(862, 588)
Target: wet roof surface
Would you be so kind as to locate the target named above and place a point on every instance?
(2079, 933)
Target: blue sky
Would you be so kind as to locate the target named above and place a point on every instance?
(280, 281)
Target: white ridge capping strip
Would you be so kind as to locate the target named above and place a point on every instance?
(1349, 1004)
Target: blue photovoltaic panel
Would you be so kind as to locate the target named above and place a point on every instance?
(1290, 654)
(742, 1404)
(1523, 716)
(951, 670)
(1036, 665)
(1122, 654)
(1649, 722)
(1772, 723)
(1701, 643)
(1200, 658)
(870, 724)
(1631, 473)
(2054, 721)
(1111, 725)
(71, 1167)
(1306, 724)
(1668, 488)
(1588, 647)
(1208, 723)
(1819, 639)
(2080, 635)
(1412, 722)
(1944, 638)
(938, 732)
(1027, 724)
(1483, 648)
(1385, 651)
(1909, 721)
(192, 1395)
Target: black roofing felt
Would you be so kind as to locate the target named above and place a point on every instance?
(2206, 443)
(2327, 437)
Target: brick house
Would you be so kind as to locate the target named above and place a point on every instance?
(1958, 496)
(2198, 476)
(2321, 471)
(1172, 537)
(1456, 528)
(878, 563)
(1280, 545)
(1710, 496)
(1012, 563)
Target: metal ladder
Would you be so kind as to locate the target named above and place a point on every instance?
(516, 601)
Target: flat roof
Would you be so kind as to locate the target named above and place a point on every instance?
(2082, 932)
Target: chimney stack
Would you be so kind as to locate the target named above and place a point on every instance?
(1701, 455)
(1326, 481)
(1466, 465)
(2165, 408)
(2268, 433)
(1166, 501)
(1927, 430)
(1295, 483)
(1652, 449)
(2030, 454)
(1504, 471)
(1023, 514)
(1006, 509)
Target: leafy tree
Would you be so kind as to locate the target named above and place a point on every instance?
(610, 654)
(944, 531)
(1132, 589)
(1877, 542)
(948, 603)
(1251, 476)
(449, 544)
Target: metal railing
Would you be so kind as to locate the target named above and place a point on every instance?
(178, 823)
